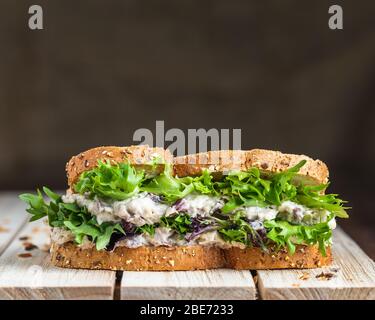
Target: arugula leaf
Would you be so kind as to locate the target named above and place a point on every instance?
(287, 235)
(81, 230)
(236, 235)
(312, 197)
(107, 230)
(146, 228)
(237, 228)
(54, 196)
(37, 207)
(70, 216)
(181, 223)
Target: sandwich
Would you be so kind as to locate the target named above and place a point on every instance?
(140, 208)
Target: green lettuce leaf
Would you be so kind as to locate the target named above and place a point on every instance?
(117, 182)
(180, 223)
(312, 197)
(236, 228)
(287, 235)
(70, 216)
(250, 189)
(146, 228)
(107, 230)
(170, 187)
(121, 181)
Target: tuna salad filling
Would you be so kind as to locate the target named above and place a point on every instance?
(116, 205)
(148, 221)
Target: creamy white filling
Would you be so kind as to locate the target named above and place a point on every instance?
(144, 209)
(133, 242)
(261, 214)
(197, 205)
(141, 209)
(103, 211)
(299, 214)
(61, 235)
(162, 237)
(212, 238)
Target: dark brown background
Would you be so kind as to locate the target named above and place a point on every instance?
(101, 69)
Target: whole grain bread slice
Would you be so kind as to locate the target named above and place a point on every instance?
(217, 162)
(141, 156)
(267, 161)
(164, 258)
(149, 258)
(257, 259)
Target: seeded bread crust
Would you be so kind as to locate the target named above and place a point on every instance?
(162, 258)
(268, 161)
(139, 156)
(256, 259)
(214, 161)
(217, 162)
(159, 258)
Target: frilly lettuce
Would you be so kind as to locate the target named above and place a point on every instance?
(281, 233)
(288, 235)
(241, 188)
(249, 188)
(235, 228)
(180, 223)
(71, 217)
(117, 182)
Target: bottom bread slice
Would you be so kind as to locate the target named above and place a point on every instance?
(257, 259)
(164, 258)
(143, 258)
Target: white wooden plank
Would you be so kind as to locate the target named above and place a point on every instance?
(189, 285)
(12, 218)
(35, 278)
(353, 277)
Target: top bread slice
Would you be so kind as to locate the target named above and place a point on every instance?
(217, 162)
(141, 156)
(267, 161)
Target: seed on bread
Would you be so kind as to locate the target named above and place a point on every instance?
(171, 262)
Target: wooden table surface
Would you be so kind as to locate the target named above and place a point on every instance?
(28, 274)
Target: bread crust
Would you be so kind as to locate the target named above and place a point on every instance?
(214, 161)
(275, 161)
(217, 162)
(160, 258)
(256, 259)
(163, 258)
(268, 161)
(140, 156)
